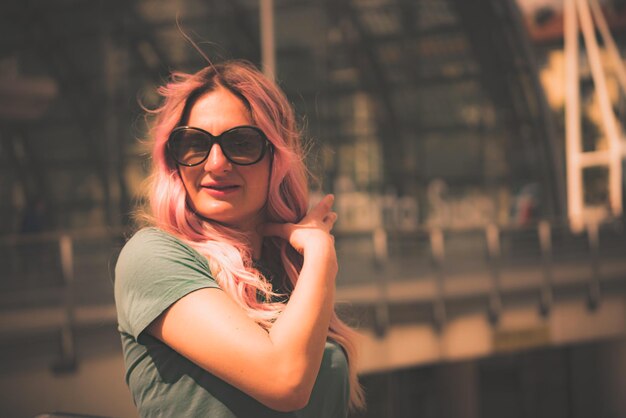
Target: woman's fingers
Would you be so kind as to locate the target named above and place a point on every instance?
(320, 218)
(330, 218)
(322, 208)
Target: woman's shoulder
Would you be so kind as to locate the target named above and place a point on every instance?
(154, 270)
(152, 248)
(152, 240)
(152, 235)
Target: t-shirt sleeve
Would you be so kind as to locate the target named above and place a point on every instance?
(153, 271)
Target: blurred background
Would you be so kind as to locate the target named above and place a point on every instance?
(475, 149)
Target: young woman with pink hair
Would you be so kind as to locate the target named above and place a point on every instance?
(226, 301)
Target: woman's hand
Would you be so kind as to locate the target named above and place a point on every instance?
(312, 232)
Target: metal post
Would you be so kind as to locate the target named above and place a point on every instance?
(381, 313)
(268, 46)
(492, 233)
(546, 295)
(437, 247)
(381, 253)
(67, 362)
(593, 295)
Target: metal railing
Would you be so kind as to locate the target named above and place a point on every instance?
(55, 270)
(488, 263)
(70, 271)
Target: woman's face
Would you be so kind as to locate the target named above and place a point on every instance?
(217, 189)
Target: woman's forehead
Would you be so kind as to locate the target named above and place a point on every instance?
(217, 111)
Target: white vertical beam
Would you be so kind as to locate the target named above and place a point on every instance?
(268, 45)
(572, 119)
(606, 109)
(609, 43)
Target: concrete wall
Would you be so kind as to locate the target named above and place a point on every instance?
(574, 367)
(28, 385)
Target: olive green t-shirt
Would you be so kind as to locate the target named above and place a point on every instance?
(154, 270)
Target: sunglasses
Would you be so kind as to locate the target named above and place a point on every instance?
(241, 145)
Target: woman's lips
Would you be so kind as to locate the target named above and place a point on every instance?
(218, 190)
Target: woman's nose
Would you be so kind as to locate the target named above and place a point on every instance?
(217, 161)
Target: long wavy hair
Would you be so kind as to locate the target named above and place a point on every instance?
(228, 250)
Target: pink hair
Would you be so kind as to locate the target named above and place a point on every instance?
(228, 250)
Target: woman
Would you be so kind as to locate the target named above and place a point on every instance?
(225, 304)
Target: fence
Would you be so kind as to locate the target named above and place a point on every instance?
(59, 282)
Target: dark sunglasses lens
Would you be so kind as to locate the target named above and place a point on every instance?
(243, 145)
(188, 146)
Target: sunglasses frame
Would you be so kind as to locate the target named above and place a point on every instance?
(217, 139)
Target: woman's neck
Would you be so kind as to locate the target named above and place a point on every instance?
(256, 242)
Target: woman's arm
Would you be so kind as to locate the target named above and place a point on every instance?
(278, 368)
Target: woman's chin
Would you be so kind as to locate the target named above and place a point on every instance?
(219, 218)
(217, 211)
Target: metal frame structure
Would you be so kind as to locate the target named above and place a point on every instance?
(578, 14)
(400, 63)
